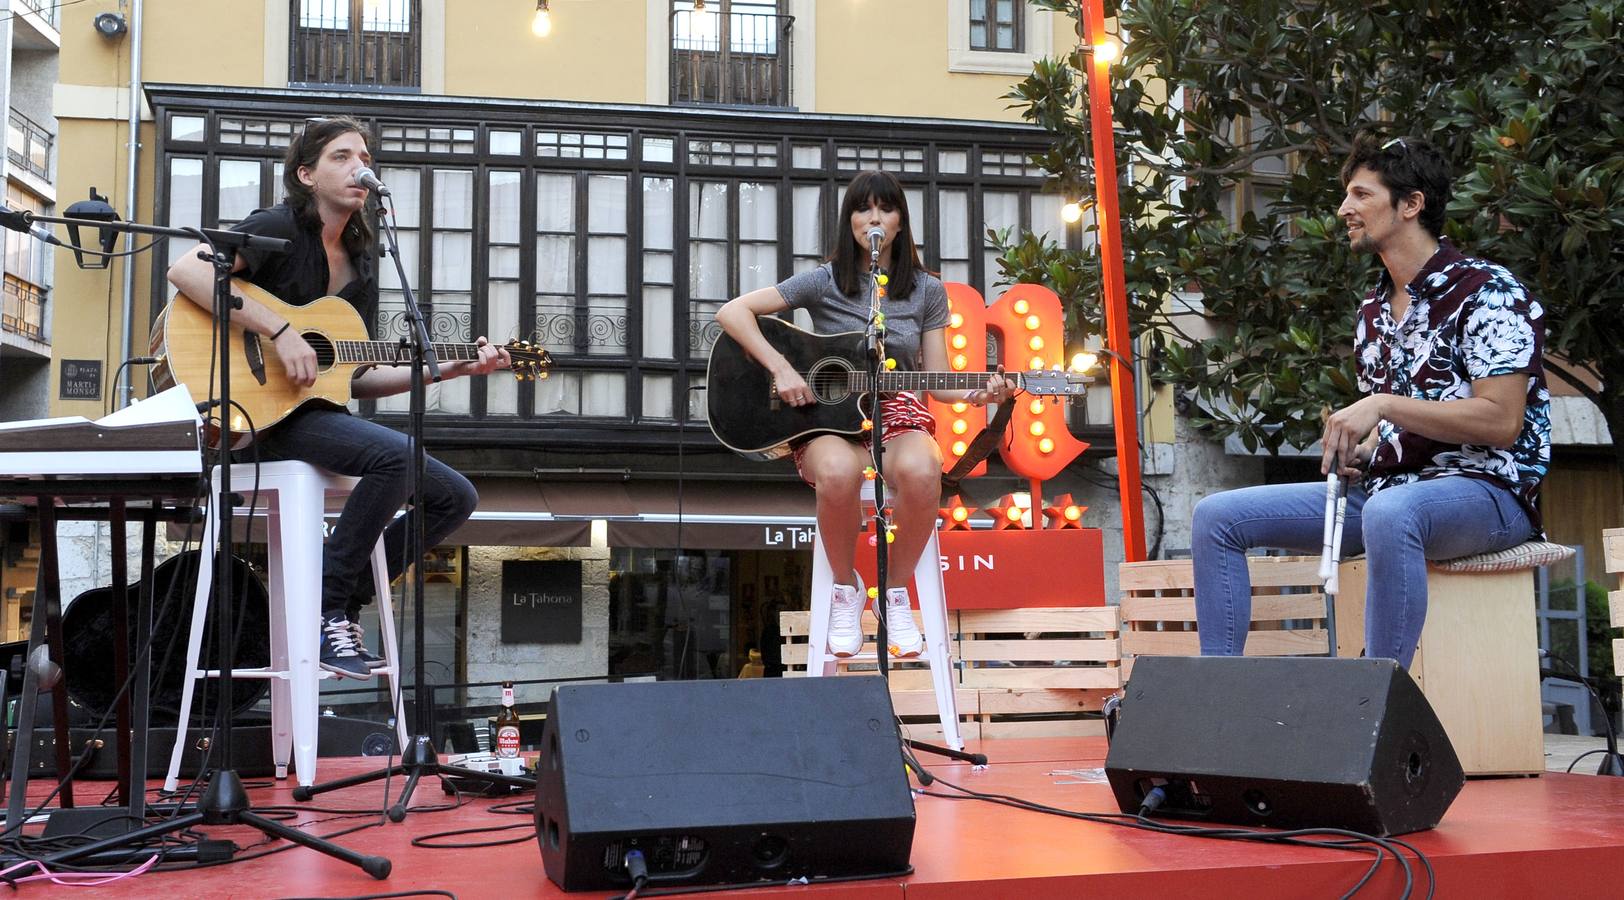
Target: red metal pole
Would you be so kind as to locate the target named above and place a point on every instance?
(1124, 405)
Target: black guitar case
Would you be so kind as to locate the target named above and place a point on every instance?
(87, 637)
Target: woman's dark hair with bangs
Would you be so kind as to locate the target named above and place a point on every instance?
(1405, 165)
(303, 152)
(883, 188)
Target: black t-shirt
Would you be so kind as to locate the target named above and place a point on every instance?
(300, 275)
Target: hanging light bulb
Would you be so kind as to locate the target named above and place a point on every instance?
(542, 24)
(1107, 51)
(1072, 213)
(699, 5)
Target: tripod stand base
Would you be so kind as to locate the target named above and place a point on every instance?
(224, 802)
(418, 760)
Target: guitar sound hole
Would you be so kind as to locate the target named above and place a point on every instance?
(830, 381)
(326, 353)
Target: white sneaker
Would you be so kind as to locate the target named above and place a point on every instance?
(845, 622)
(901, 632)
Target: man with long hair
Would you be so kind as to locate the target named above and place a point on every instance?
(324, 217)
(1450, 444)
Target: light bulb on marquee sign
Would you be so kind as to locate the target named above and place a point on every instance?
(1028, 320)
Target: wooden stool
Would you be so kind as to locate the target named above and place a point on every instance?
(931, 616)
(1478, 657)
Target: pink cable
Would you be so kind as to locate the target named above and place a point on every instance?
(76, 879)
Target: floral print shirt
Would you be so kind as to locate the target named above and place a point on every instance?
(1467, 319)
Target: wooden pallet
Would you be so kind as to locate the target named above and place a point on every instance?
(1158, 608)
(1020, 672)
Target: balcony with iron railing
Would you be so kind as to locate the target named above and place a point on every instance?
(28, 146)
(374, 45)
(731, 59)
(24, 308)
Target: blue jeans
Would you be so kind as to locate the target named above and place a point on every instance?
(350, 445)
(1398, 529)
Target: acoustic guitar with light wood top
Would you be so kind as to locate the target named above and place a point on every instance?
(183, 339)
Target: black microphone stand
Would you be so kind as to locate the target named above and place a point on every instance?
(419, 757)
(882, 532)
(223, 801)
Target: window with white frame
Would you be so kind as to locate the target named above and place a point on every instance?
(999, 37)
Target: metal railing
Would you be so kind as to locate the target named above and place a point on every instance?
(28, 145)
(47, 10)
(345, 42)
(24, 308)
(731, 58)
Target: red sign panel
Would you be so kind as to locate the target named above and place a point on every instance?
(1014, 569)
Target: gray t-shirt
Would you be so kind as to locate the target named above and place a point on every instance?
(924, 309)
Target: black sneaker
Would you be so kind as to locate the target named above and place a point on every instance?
(372, 660)
(338, 649)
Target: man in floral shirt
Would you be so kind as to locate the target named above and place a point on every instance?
(1449, 446)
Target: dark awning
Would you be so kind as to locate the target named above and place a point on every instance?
(758, 515)
(711, 515)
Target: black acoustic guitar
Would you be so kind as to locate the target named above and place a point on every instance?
(747, 415)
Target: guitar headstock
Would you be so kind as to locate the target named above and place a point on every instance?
(528, 361)
(1051, 382)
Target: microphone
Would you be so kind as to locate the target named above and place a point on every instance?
(365, 177)
(876, 237)
(22, 220)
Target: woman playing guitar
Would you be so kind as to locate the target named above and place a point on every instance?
(915, 309)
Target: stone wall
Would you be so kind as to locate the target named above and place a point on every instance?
(491, 660)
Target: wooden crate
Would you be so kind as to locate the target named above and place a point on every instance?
(1491, 712)
(1158, 608)
(1613, 552)
(1019, 672)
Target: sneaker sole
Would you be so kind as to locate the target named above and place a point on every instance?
(346, 673)
(899, 653)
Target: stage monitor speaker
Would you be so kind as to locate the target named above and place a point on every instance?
(1283, 742)
(720, 782)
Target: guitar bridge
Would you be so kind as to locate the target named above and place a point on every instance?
(255, 354)
(773, 401)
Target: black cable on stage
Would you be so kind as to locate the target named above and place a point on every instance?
(1345, 840)
(1569, 769)
(424, 841)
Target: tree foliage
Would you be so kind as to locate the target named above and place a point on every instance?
(1525, 98)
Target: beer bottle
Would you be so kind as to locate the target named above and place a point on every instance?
(507, 725)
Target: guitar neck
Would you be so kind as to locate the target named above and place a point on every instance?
(363, 353)
(933, 381)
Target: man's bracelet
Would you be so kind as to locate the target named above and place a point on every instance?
(278, 332)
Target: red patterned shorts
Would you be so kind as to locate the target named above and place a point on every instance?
(900, 413)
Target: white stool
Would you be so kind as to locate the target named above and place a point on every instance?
(932, 609)
(292, 497)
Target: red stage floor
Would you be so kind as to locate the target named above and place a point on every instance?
(1553, 836)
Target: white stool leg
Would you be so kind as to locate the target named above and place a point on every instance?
(818, 660)
(194, 643)
(300, 505)
(386, 634)
(281, 714)
(933, 612)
